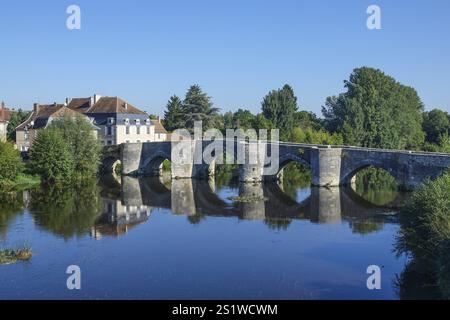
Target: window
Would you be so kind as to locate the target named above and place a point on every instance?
(127, 130)
(109, 142)
(26, 136)
(128, 141)
(138, 130)
(148, 129)
(139, 141)
(108, 131)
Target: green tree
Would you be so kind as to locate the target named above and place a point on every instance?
(376, 111)
(311, 136)
(17, 118)
(197, 106)
(305, 119)
(50, 157)
(279, 106)
(173, 116)
(10, 162)
(243, 119)
(435, 124)
(83, 145)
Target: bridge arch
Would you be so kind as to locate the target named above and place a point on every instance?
(109, 164)
(285, 160)
(152, 166)
(349, 174)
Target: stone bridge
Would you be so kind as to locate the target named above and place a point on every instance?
(329, 165)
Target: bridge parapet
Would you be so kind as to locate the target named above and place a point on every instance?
(330, 166)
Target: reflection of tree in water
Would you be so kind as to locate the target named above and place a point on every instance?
(196, 218)
(69, 211)
(11, 204)
(278, 223)
(365, 226)
(376, 186)
(225, 175)
(425, 237)
(295, 176)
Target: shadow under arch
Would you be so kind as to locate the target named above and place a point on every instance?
(347, 177)
(152, 166)
(109, 165)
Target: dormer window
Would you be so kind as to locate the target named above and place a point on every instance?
(127, 121)
(138, 122)
(110, 121)
(148, 122)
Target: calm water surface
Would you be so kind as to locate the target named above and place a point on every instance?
(145, 239)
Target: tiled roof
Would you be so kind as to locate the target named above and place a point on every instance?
(159, 128)
(80, 104)
(44, 112)
(5, 115)
(113, 105)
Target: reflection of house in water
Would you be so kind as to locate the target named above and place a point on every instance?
(117, 218)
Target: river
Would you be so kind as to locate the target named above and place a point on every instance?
(154, 238)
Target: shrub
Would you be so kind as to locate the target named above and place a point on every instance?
(11, 164)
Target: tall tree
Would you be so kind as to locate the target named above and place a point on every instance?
(376, 111)
(435, 124)
(197, 106)
(279, 106)
(173, 116)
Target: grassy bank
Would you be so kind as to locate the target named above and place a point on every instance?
(22, 182)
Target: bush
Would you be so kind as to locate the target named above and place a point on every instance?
(11, 164)
(77, 132)
(50, 157)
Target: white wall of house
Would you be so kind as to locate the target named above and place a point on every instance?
(117, 134)
(3, 130)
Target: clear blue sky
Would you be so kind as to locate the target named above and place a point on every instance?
(237, 50)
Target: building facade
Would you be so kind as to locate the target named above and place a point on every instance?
(39, 119)
(5, 116)
(115, 120)
(118, 121)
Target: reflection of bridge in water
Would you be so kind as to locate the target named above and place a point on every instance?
(131, 201)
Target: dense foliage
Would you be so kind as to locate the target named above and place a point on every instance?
(65, 151)
(51, 158)
(173, 116)
(10, 162)
(376, 111)
(78, 134)
(279, 106)
(425, 235)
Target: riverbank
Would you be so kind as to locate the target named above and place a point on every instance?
(22, 182)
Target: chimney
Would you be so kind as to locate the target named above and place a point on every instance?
(96, 97)
(2, 105)
(36, 108)
(126, 105)
(67, 101)
(158, 118)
